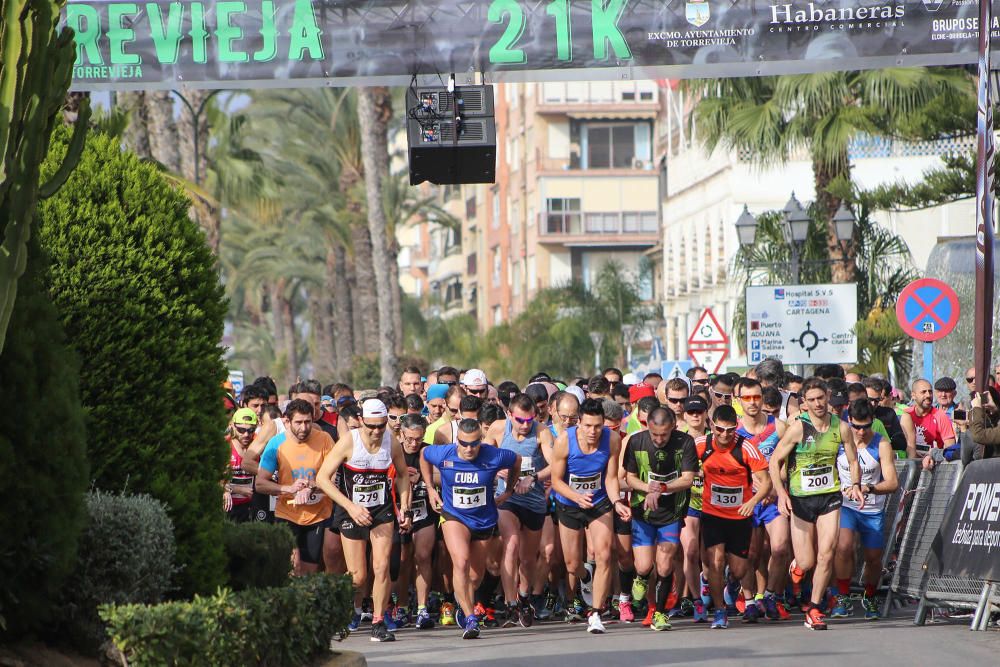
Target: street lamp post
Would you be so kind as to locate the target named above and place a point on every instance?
(597, 337)
(629, 332)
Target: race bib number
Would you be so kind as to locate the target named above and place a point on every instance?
(727, 496)
(663, 479)
(466, 496)
(419, 509)
(368, 495)
(819, 478)
(527, 466)
(585, 484)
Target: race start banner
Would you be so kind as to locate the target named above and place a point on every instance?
(968, 544)
(292, 43)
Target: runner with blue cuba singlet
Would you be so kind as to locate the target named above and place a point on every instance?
(522, 517)
(660, 464)
(584, 480)
(813, 498)
(768, 558)
(466, 502)
(878, 482)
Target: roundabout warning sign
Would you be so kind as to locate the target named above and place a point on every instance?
(802, 324)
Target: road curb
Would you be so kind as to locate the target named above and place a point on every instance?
(345, 659)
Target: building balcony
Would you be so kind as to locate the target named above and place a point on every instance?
(606, 99)
(615, 228)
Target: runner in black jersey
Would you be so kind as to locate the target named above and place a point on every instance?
(417, 546)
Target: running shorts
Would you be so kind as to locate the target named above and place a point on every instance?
(308, 540)
(474, 535)
(530, 520)
(348, 529)
(764, 514)
(734, 533)
(647, 535)
(577, 518)
(868, 526)
(811, 508)
(622, 527)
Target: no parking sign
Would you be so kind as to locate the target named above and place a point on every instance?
(927, 309)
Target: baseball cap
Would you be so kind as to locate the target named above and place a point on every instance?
(639, 391)
(839, 399)
(474, 378)
(576, 391)
(695, 404)
(537, 392)
(245, 416)
(373, 408)
(630, 379)
(436, 391)
(945, 384)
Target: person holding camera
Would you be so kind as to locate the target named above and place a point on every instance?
(984, 425)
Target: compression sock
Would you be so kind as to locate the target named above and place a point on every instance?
(625, 578)
(844, 586)
(663, 588)
(486, 589)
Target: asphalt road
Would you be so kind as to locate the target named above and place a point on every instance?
(884, 643)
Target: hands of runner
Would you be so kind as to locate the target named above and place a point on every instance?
(405, 522)
(435, 500)
(583, 500)
(359, 514)
(623, 510)
(227, 501)
(652, 500)
(296, 486)
(413, 474)
(302, 496)
(784, 504)
(928, 463)
(857, 494)
(524, 484)
(746, 509)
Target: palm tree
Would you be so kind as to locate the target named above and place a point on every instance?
(770, 118)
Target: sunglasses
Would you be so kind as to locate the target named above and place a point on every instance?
(970, 380)
(470, 445)
(752, 398)
(695, 413)
(450, 384)
(703, 381)
(722, 397)
(344, 400)
(453, 411)
(395, 418)
(374, 427)
(861, 427)
(477, 392)
(725, 429)
(245, 429)
(524, 420)
(570, 419)
(676, 400)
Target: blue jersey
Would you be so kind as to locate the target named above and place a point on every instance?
(532, 460)
(766, 440)
(585, 472)
(467, 486)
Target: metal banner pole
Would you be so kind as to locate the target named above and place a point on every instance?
(984, 204)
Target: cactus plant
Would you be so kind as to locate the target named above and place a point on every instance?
(36, 68)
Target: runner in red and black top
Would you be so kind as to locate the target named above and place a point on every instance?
(733, 468)
(365, 509)
(239, 489)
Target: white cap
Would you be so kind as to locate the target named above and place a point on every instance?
(474, 378)
(373, 408)
(630, 379)
(576, 391)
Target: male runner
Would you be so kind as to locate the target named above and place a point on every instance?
(677, 394)
(523, 516)
(466, 501)
(660, 465)
(295, 459)
(366, 513)
(237, 492)
(696, 425)
(764, 432)
(933, 428)
(733, 468)
(813, 498)
(584, 480)
(878, 481)
(410, 382)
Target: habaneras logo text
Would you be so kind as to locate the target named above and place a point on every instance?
(787, 13)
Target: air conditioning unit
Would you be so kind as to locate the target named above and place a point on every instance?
(638, 164)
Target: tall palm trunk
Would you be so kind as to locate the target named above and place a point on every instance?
(366, 301)
(342, 317)
(374, 113)
(277, 330)
(291, 342)
(194, 168)
(843, 269)
(137, 132)
(163, 136)
(321, 343)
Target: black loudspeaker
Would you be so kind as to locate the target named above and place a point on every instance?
(452, 135)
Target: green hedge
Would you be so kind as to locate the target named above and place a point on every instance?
(43, 462)
(259, 554)
(274, 627)
(139, 295)
(126, 555)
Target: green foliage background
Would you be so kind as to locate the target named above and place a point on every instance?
(140, 300)
(43, 452)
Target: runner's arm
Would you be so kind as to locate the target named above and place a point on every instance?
(331, 464)
(851, 449)
(512, 473)
(402, 480)
(886, 457)
(793, 408)
(611, 480)
(780, 455)
(910, 431)
(494, 434)
(254, 451)
(762, 480)
(557, 468)
(545, 445)
(427, 470)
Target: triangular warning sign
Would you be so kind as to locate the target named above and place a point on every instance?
(709, 358)
(708, 331)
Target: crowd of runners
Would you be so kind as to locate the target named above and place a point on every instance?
(454, 501)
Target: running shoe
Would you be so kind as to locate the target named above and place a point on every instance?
(673, 601)
(355, 623)
(380, 633)
(700, 615)
(526, 614)
(587, 584)
(512, 617)
(639, 588)
(687, 608)
(771, 608)
(648, 621)
(447, 614)
(544, 606)
(706, 592)
(783, 610)
(842, 607)
(815, 620)
(594, 624)
(730, 593)
(625, 613)
(387, 619)
(424, 620)
(401, 617)
(459, 616)
(471, 627)
(751, 613)
(870, 605)
(490, 620)
(721, 621)
(576, 611)
(660, 622)
(434, 603)
(673, 612)
(366, 610)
